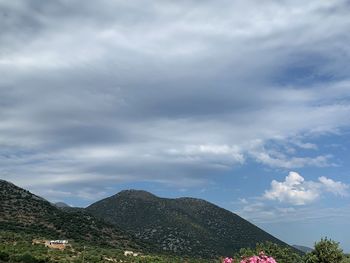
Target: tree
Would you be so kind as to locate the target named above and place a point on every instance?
(326, 251)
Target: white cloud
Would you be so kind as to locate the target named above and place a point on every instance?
(293, 190)
(214, 153)
(296, 201)
(85, 193)
(296, 191)
(337, 188)
(283, 161)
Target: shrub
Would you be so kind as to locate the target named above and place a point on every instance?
(4, 257)
(346, 259)
(279, 253)
(326, 251)
(26, 258)
(262, 258)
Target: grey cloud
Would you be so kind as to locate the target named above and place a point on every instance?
(117, 91)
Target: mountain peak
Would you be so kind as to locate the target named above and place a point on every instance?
(6, 183)
(61, 205)
(133, 193)
(9, 189)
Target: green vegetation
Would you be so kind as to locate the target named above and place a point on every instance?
(346, 259)
(279, 253)
(326, 251)
(18, 248)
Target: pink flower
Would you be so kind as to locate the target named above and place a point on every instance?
(262, 258)
(228, 260)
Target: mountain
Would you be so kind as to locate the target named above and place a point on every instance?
(61, 205)
(183, 225)
(303, 248)
(24, 212)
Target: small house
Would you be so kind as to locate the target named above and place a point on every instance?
(56, 244)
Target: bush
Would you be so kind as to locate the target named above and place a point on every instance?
(346, 259)
(4, 257)
(326, 251)
(26, 258)
(279, 253)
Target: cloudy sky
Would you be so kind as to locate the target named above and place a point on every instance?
(243, 103)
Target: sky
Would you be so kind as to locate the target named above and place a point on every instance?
(242, 103)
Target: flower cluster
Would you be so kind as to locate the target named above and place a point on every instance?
(262, 258)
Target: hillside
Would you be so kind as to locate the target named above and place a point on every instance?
(303, 248)
(183, 225)
(24, 212)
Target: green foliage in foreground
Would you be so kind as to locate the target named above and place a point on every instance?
(326, 251)
(18, 248)
(279, 253)
(346, 259)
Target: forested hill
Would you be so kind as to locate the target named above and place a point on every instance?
(183, 225)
